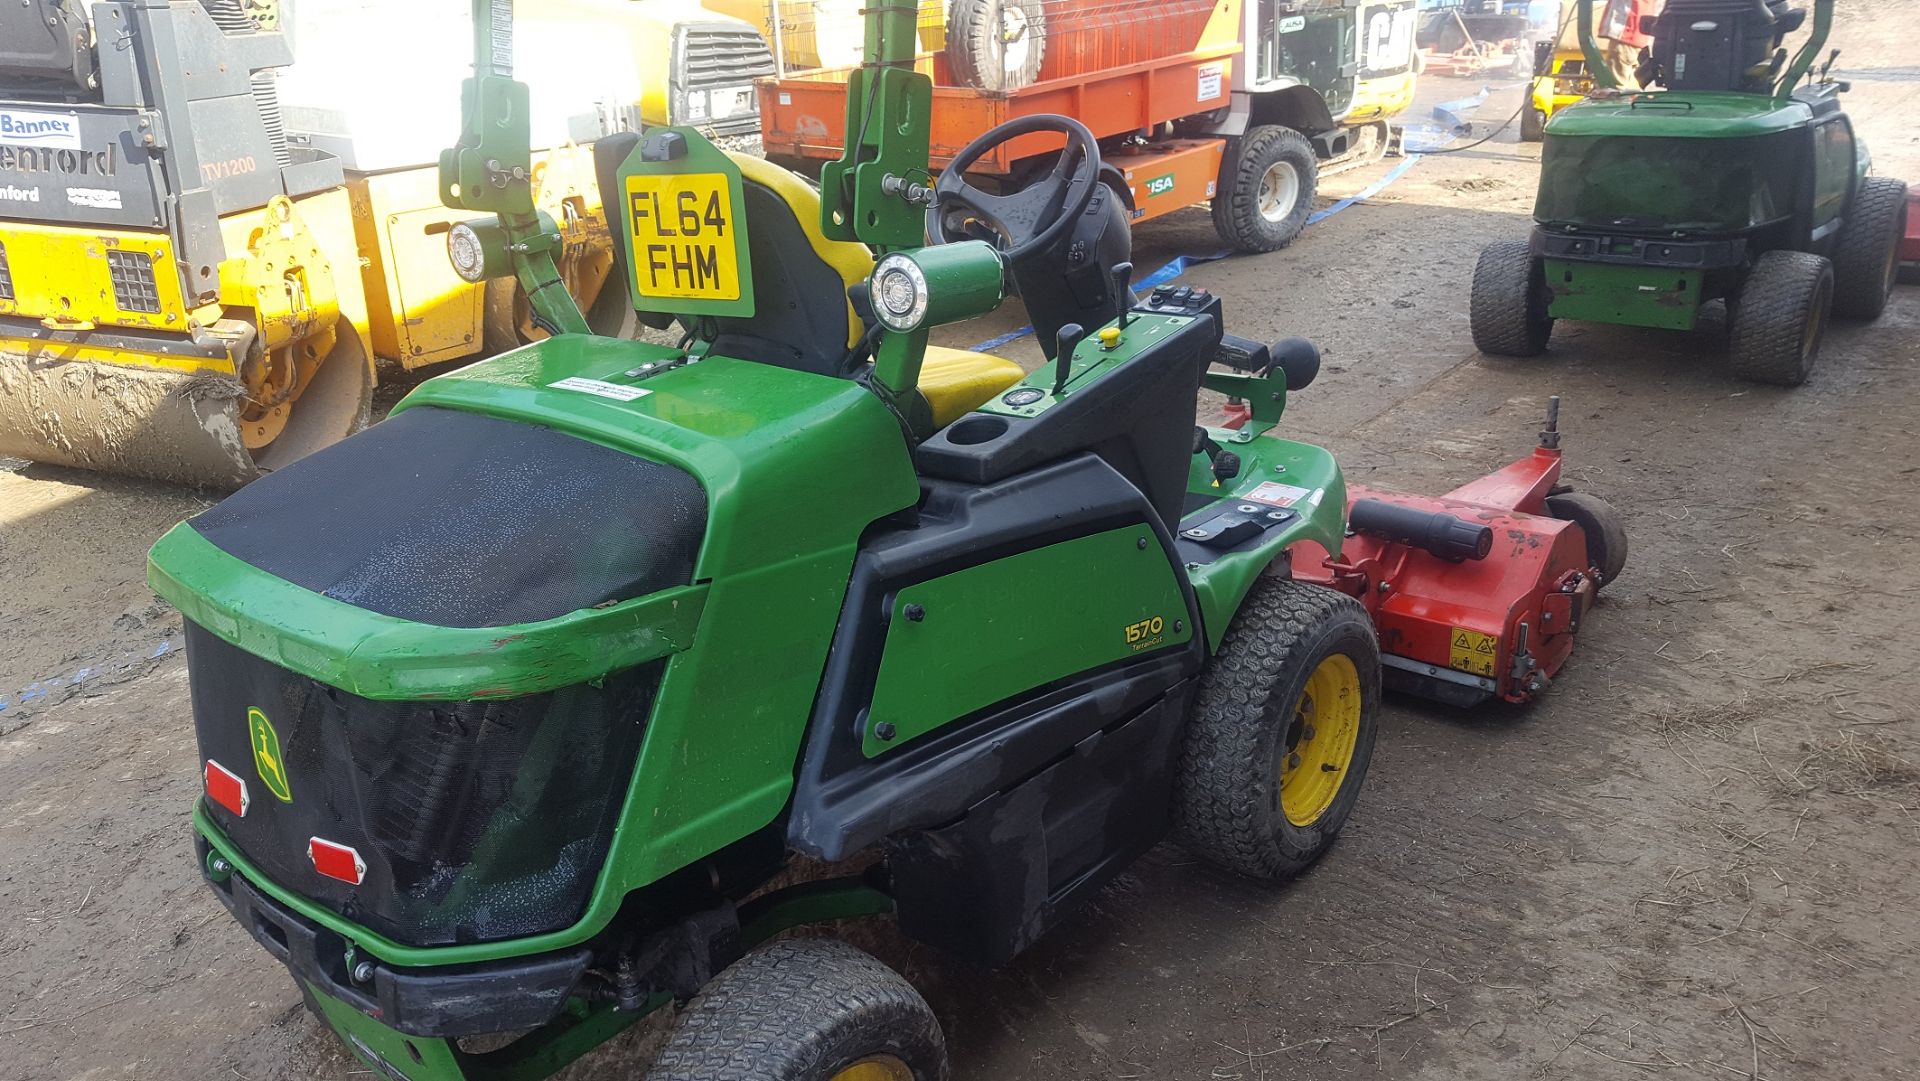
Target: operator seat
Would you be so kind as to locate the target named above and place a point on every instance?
(803, 318)
(1721, 44)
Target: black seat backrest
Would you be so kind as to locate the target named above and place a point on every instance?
(1712, 44)
(1139, 418)
(800, 304)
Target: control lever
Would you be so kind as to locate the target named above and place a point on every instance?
(1065, 343)
(1225, 463)
(1122, 281)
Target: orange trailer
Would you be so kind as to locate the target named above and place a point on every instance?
(803, 116)
(1236, 102)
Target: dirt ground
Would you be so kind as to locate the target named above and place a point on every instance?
(1699, 856)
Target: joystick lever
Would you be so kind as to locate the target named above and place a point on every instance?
(1066, 341)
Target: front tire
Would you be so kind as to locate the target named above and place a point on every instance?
(1781, 318)
(805, 1009)
(1508, 306)
(1282, 731)
(1866, 262)
(1265, 192)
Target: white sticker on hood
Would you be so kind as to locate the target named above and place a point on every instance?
(603, 389)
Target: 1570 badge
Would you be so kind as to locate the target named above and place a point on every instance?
(1145, 633)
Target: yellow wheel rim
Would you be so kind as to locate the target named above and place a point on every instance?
(875, 1068)
(1320, 739)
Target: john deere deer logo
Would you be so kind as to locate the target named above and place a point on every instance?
(266, 754)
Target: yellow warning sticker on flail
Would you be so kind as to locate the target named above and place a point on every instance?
(1471, 651)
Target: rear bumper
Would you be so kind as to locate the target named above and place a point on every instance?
(434, 1002)
(1635, 280)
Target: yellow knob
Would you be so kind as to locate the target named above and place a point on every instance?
(1109, 337)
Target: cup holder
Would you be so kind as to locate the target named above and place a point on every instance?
(977, 428)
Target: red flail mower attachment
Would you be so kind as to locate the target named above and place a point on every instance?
(1478, 593)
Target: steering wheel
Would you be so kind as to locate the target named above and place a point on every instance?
(1032, 220)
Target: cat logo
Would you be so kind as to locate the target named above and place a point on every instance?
(266, 754)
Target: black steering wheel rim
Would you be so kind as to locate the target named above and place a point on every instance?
(1057, 200)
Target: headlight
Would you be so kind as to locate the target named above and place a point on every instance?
(467, 253)
(899, 291)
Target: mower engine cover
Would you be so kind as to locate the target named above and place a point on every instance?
(424, 690)
(473, 820)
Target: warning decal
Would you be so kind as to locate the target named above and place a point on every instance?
(1275, 494)
(1471, 651)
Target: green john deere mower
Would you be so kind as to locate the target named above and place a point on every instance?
(1735, 181)
(518, 736)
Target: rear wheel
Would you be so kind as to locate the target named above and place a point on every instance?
(805, 1009)
(1866, 261)
(1533, 124)
(1600, 524)
(1508, 307)
(335, 403)
(1781, 318)
(1282, 731)
(1265, 193)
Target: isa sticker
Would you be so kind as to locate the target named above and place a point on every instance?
(48, 131)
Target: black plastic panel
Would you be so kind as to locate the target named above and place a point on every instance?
(844, 802)
(476, 821)
(1138, 417)
(445, 1001)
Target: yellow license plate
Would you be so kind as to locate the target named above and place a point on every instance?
(684, 242)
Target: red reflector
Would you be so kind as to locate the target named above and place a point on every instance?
(336, 861)
(226, 788)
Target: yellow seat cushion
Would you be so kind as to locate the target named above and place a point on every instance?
(955, 382)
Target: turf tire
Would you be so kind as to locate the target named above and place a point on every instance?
(1227, 793)
(1508, 305)
(1600, 523)
(1866, 261)
(802, 1009)
(1236, 199)
(1781, 318)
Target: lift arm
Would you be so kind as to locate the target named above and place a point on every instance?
(1803, 60)
(1597, 67)
(490, 170)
